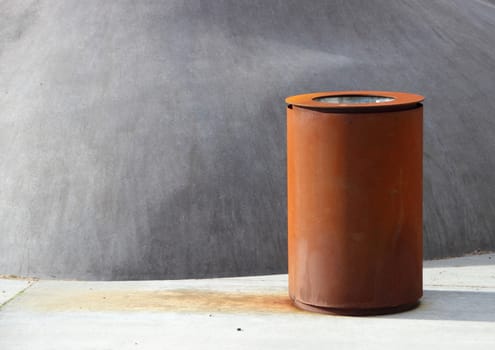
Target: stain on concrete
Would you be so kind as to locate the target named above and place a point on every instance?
(15, 277)
(178, 300)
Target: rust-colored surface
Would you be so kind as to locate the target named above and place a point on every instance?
(175, 300)
(355, 202)
(355, 311)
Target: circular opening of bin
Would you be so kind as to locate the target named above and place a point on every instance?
(353, 99)
(356, 100)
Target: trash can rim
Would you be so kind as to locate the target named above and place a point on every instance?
(398, 99)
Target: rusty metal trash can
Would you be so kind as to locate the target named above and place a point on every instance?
(354, 178)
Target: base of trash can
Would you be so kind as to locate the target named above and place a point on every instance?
(356, 312)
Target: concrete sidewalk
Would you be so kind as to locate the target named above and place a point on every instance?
(457, 312)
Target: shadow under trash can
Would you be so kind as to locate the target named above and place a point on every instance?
(354, 176)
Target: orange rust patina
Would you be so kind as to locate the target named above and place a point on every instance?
(171, 300)
(354, 161)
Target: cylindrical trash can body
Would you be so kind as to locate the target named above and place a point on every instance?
(355, 202)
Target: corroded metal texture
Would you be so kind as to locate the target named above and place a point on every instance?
(355, 202)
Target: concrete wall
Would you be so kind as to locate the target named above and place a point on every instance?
(146, 140)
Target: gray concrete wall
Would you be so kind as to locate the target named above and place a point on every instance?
(146, 139)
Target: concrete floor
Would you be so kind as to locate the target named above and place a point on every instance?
(457, 311)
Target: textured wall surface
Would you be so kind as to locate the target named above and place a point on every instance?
(146, 140)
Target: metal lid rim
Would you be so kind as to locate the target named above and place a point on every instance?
(399, 99)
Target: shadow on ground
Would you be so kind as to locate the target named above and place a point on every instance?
(471, 260)
(453, 305)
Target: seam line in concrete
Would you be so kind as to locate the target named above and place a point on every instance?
(17, 294)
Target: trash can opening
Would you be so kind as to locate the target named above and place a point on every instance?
(354, 99)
